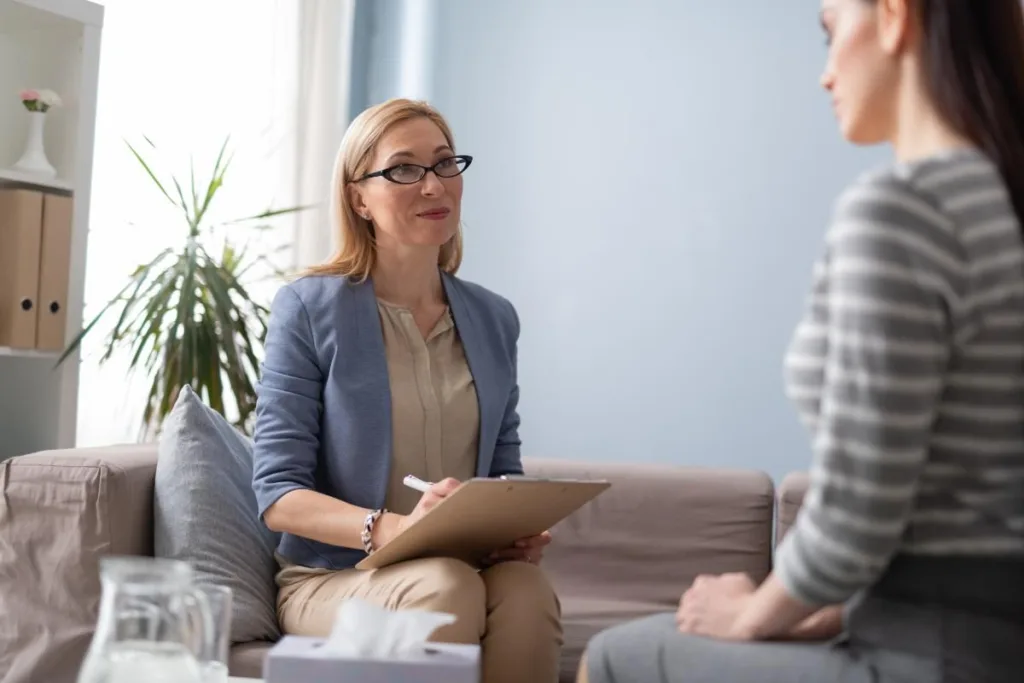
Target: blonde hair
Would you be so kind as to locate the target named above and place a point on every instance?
(357, 251)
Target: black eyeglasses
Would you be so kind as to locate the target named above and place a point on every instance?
(407, 174)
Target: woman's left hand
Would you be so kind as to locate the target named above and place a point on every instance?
(710, 606)
(524, 550)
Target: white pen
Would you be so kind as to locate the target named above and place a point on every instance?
(417, 483)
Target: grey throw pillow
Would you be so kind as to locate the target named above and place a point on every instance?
(205, 513)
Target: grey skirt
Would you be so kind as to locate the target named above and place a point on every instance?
(909, 629)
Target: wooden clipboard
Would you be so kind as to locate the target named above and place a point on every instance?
(484, 515)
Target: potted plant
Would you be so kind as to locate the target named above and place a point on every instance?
(187, 317)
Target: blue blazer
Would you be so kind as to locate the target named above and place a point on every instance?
(323, 410)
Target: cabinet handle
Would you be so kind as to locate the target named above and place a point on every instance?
(54, 307)
(26, 304)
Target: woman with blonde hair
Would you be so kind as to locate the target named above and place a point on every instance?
(382, 363)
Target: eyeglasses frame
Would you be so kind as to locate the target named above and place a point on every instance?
(386, 172)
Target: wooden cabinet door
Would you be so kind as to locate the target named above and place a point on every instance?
(54, 264)
(21, 215)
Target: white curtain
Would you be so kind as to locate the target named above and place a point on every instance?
(322, 109)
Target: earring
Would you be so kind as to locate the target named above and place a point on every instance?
(366, 216)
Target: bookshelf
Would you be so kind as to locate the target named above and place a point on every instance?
(52, 44)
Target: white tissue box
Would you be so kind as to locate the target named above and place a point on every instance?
(299, 659)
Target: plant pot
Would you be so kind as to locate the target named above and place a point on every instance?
(34, 159)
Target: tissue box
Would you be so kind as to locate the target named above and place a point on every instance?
(299, 659)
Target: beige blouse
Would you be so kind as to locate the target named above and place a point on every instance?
(435, 418)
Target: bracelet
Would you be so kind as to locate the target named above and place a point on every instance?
(367, 536)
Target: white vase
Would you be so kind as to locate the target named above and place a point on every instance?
(34, 159)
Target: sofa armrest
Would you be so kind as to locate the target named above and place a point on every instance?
(60, 512)
(790, 497)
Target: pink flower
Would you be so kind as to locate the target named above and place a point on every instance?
(29, 95)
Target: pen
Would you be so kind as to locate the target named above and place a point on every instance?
(417, 483)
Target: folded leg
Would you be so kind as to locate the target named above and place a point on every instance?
(652, 650)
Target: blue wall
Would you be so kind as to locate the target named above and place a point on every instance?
(651, 186)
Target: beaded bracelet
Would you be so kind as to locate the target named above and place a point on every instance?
(368, 524)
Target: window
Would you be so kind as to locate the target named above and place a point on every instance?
(185, 74)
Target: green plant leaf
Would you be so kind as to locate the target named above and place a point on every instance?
(149, 171)
(147, 331)
(220, 168)
(193, 225)
(143, 278)
(137, 278)
(218, 306)
(270, 213)
(276, 272)
(187, 317)
(192, 186)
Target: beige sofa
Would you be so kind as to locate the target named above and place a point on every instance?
(628, 554)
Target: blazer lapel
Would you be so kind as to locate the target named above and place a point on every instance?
(367, 387)
(481, 366)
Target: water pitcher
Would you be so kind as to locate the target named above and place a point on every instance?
(152, 625)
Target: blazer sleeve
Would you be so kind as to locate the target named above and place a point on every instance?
(286, 438)
(507, 458)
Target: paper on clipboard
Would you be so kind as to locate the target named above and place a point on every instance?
(484, 515)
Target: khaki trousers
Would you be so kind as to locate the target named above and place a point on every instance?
(509, 609)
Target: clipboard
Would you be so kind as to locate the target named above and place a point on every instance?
(486, 514)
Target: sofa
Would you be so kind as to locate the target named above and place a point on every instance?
(629, 553)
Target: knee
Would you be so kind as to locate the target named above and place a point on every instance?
(581, 673)
(595, 654)
(626, 645)
(594, 650)
(306, 607)
(522, 586)
(452, 586)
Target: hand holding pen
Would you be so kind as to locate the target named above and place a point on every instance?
(432, 495)
(524, 550)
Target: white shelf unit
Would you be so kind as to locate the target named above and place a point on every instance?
(7, 351)
(52, 44)
(10, 175)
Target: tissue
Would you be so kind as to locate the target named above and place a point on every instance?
(364, 630)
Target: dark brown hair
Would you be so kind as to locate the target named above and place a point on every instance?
(972, 53)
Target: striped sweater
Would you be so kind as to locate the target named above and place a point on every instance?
(908, 369)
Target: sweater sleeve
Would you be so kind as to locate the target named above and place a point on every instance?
(890, 259)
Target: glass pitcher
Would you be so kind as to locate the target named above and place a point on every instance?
(153, 624)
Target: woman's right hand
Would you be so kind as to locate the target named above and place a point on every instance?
(428, 500)
(437, 492)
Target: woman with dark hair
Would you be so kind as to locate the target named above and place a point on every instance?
(907, 557)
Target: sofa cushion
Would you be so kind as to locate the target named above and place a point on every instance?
(205, 514)
(633, 550)
(791, 496)
(60, 512)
